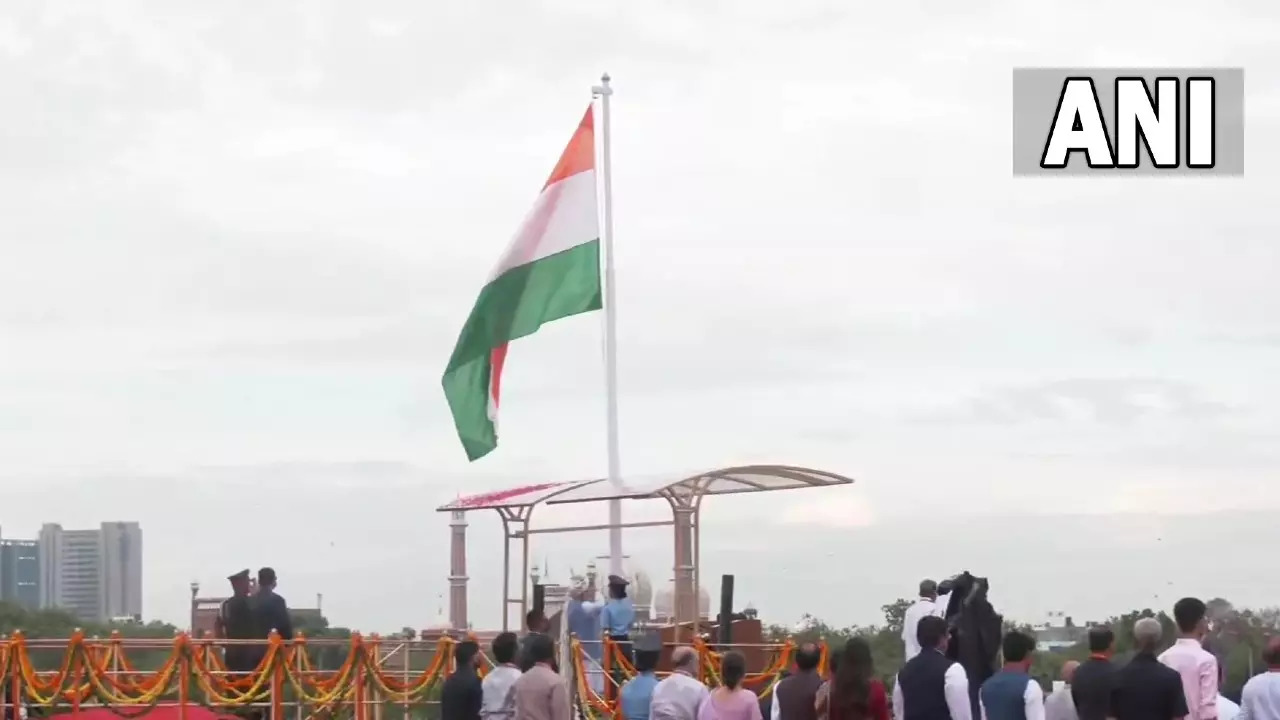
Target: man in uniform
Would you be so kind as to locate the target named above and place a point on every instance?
(235, 622)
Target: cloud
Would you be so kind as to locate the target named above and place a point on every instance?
(836, 511)
(1110, 401)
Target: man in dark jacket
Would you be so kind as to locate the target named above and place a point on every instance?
(795, 696)
(1092, 685)
(535, 623)
(462, 694)
(236, 622)
(270, 612)
(975, 629)
(932, 686)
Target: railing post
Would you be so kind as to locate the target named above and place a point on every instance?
(184, 680)
(16, 650)
(278, 669)
(358, 658)
(298, 669)
(407, 666)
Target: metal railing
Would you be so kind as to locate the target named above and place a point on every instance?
(186, 678)
(368, 678)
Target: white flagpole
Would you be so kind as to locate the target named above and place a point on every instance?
(603, 91)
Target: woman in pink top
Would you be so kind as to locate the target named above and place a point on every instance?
(731, 701)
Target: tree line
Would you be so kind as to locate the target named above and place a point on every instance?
(55, 623)
(1237, 637)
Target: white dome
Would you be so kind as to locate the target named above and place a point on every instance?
(641, 585)
(664, 603)
(641, 589)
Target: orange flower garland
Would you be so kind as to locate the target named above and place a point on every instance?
(193, 672)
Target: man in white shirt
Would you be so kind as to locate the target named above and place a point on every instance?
(1060, 705)
(915, 695)
(925, 605)
(678, 695)
(1260, 699)
(498, 702)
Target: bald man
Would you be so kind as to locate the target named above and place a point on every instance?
(1059, 705)
(678, 695)
(1260, 699)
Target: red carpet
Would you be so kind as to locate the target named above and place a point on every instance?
(164, 712)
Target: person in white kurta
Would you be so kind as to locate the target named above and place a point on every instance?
(925, 605)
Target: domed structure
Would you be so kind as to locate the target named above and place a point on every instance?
(640, 589)
(641, 592)
(664, 603)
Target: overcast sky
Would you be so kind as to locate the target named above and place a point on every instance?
(239, 239)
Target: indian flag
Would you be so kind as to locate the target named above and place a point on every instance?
(550, 270)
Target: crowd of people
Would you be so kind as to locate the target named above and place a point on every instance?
(1180, 683)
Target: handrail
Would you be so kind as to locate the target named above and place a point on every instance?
(134, 675)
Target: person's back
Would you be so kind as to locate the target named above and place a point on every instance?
(1145, 689)
(1197, 667)
(731, 701)
(931, 686)
(540, 693)
(921, 683)
(1060, 705)
(679, 695)
(496, 690)
(1260, 699)
(794, 697)
(854, 693)
(1094, 680)
(925, 605)
(536, 625)
(636, 695)
(237, 623)
(270, 611)
(1011, 694)
(730, 704)
(462, 695)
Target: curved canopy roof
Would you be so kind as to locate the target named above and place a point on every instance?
(725, 481)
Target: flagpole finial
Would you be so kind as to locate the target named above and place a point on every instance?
(603, 88)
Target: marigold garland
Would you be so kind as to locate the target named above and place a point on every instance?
(93, 670)
(596, 707)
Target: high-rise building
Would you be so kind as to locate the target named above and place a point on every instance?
(96, 574)
(122, 569)
(20, 573)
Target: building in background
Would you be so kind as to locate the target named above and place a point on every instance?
(122, 570)
(95, 574)
(20, 573)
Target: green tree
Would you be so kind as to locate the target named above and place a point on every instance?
(53, 623)
(895, 613)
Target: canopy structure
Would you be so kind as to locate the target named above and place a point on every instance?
(683, 494)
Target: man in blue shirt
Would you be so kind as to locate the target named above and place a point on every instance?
(617, 617)
(637, 694)
(619, 614)
(1012, 694)
(583, 615)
